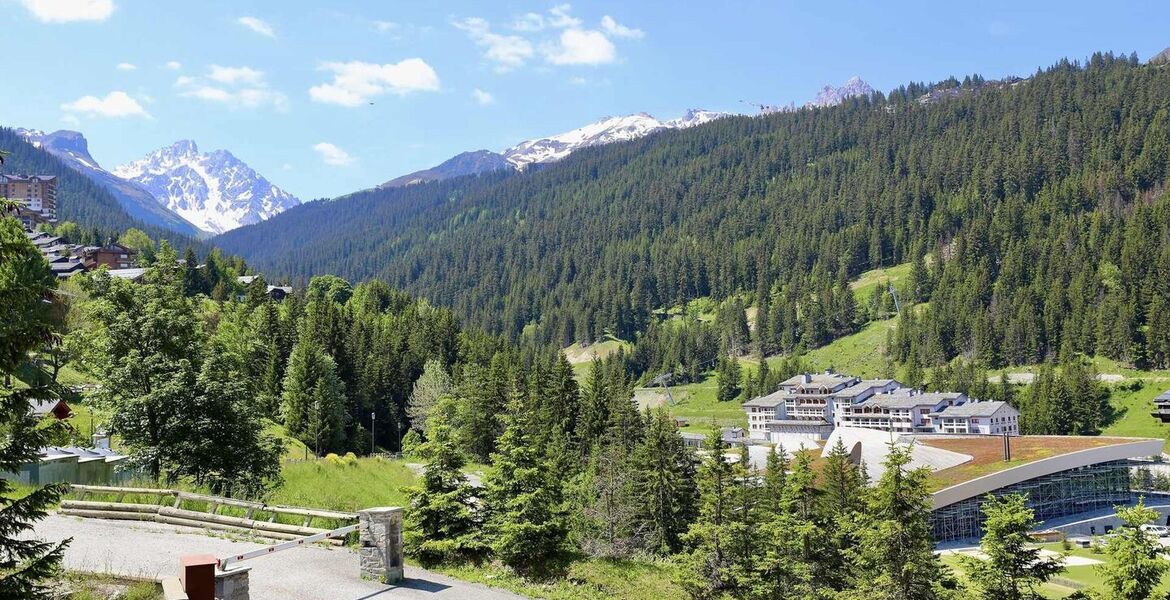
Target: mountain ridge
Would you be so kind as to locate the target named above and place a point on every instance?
(73, 148)
(216, 191)
(555, 147)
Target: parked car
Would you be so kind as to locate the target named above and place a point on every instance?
(1158, 530)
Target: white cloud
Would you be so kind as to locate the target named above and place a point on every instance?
(355, 82)
(385, 26)
(234, 87)
(257, 25)
(174, 65)
(481, 97)
(70, 119)
(126, 67)
(116, 104)
(65, 11)
(616, 29)
(332, 155)
(234, 75)
(286, 167)
(561, 19)
(529, 22)
(506, 51)
(578, 81)
(581, 47)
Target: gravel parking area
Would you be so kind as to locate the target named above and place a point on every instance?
(307, 573)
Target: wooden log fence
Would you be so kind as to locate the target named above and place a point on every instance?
(173, 507)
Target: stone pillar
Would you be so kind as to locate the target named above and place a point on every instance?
(380, 541)
(232, 585)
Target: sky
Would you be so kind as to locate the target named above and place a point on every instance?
(328, 97)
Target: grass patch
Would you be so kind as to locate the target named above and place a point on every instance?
(698, 403)
(294, 449)
(1082, 576)
(861, 354)
(99, 586)
(590, 579)
(344, 486)
(868, 281)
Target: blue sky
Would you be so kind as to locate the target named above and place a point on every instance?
(327, 97)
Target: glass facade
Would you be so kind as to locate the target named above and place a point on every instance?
(1060, 494)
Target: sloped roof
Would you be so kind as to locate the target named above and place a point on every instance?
(864, 385)
(974, 409)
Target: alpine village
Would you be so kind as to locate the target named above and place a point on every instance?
(909, 343)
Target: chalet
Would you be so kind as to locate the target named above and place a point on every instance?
(66, 266)
(112, 256)
(276, 292)
(41, 408)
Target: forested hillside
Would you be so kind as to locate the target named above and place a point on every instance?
(78, 199)
(1039, 203)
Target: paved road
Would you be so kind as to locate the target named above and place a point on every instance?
(312, 573)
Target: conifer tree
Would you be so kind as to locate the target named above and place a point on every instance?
(706, 568)
(774, 481)
(895, 557)
(605, 511)
(442, 521)
(843, 488)
(526, 521)
(1137, 565)
(26, 564)
(728, 372)
(314, 398)
(1012, 567)
(664, 486)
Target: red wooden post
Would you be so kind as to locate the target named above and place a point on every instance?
(197, 573)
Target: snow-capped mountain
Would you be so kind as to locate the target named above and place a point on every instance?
(216, 191)
(605, 131)
(695, 116)
(555, 147)
(72, 148)
(832, 96)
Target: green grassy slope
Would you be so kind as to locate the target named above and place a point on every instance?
(344, 485)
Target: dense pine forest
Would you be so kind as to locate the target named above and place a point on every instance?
(1033, 211)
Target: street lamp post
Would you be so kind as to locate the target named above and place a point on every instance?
(372, 443)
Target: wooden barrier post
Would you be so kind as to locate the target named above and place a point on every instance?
(380, 538)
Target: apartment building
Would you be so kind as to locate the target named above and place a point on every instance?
(37, 195)
(813, 405)
(802, 405)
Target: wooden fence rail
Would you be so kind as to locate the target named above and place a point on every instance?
(258, 518)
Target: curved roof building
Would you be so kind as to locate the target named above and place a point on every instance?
(1061, 476)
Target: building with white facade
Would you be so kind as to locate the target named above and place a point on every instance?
(802, 405)
(988, 418)
(813, 405)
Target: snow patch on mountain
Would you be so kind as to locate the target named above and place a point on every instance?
(216, 191)
(73, 149)
(605, 131)
(832, 96)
